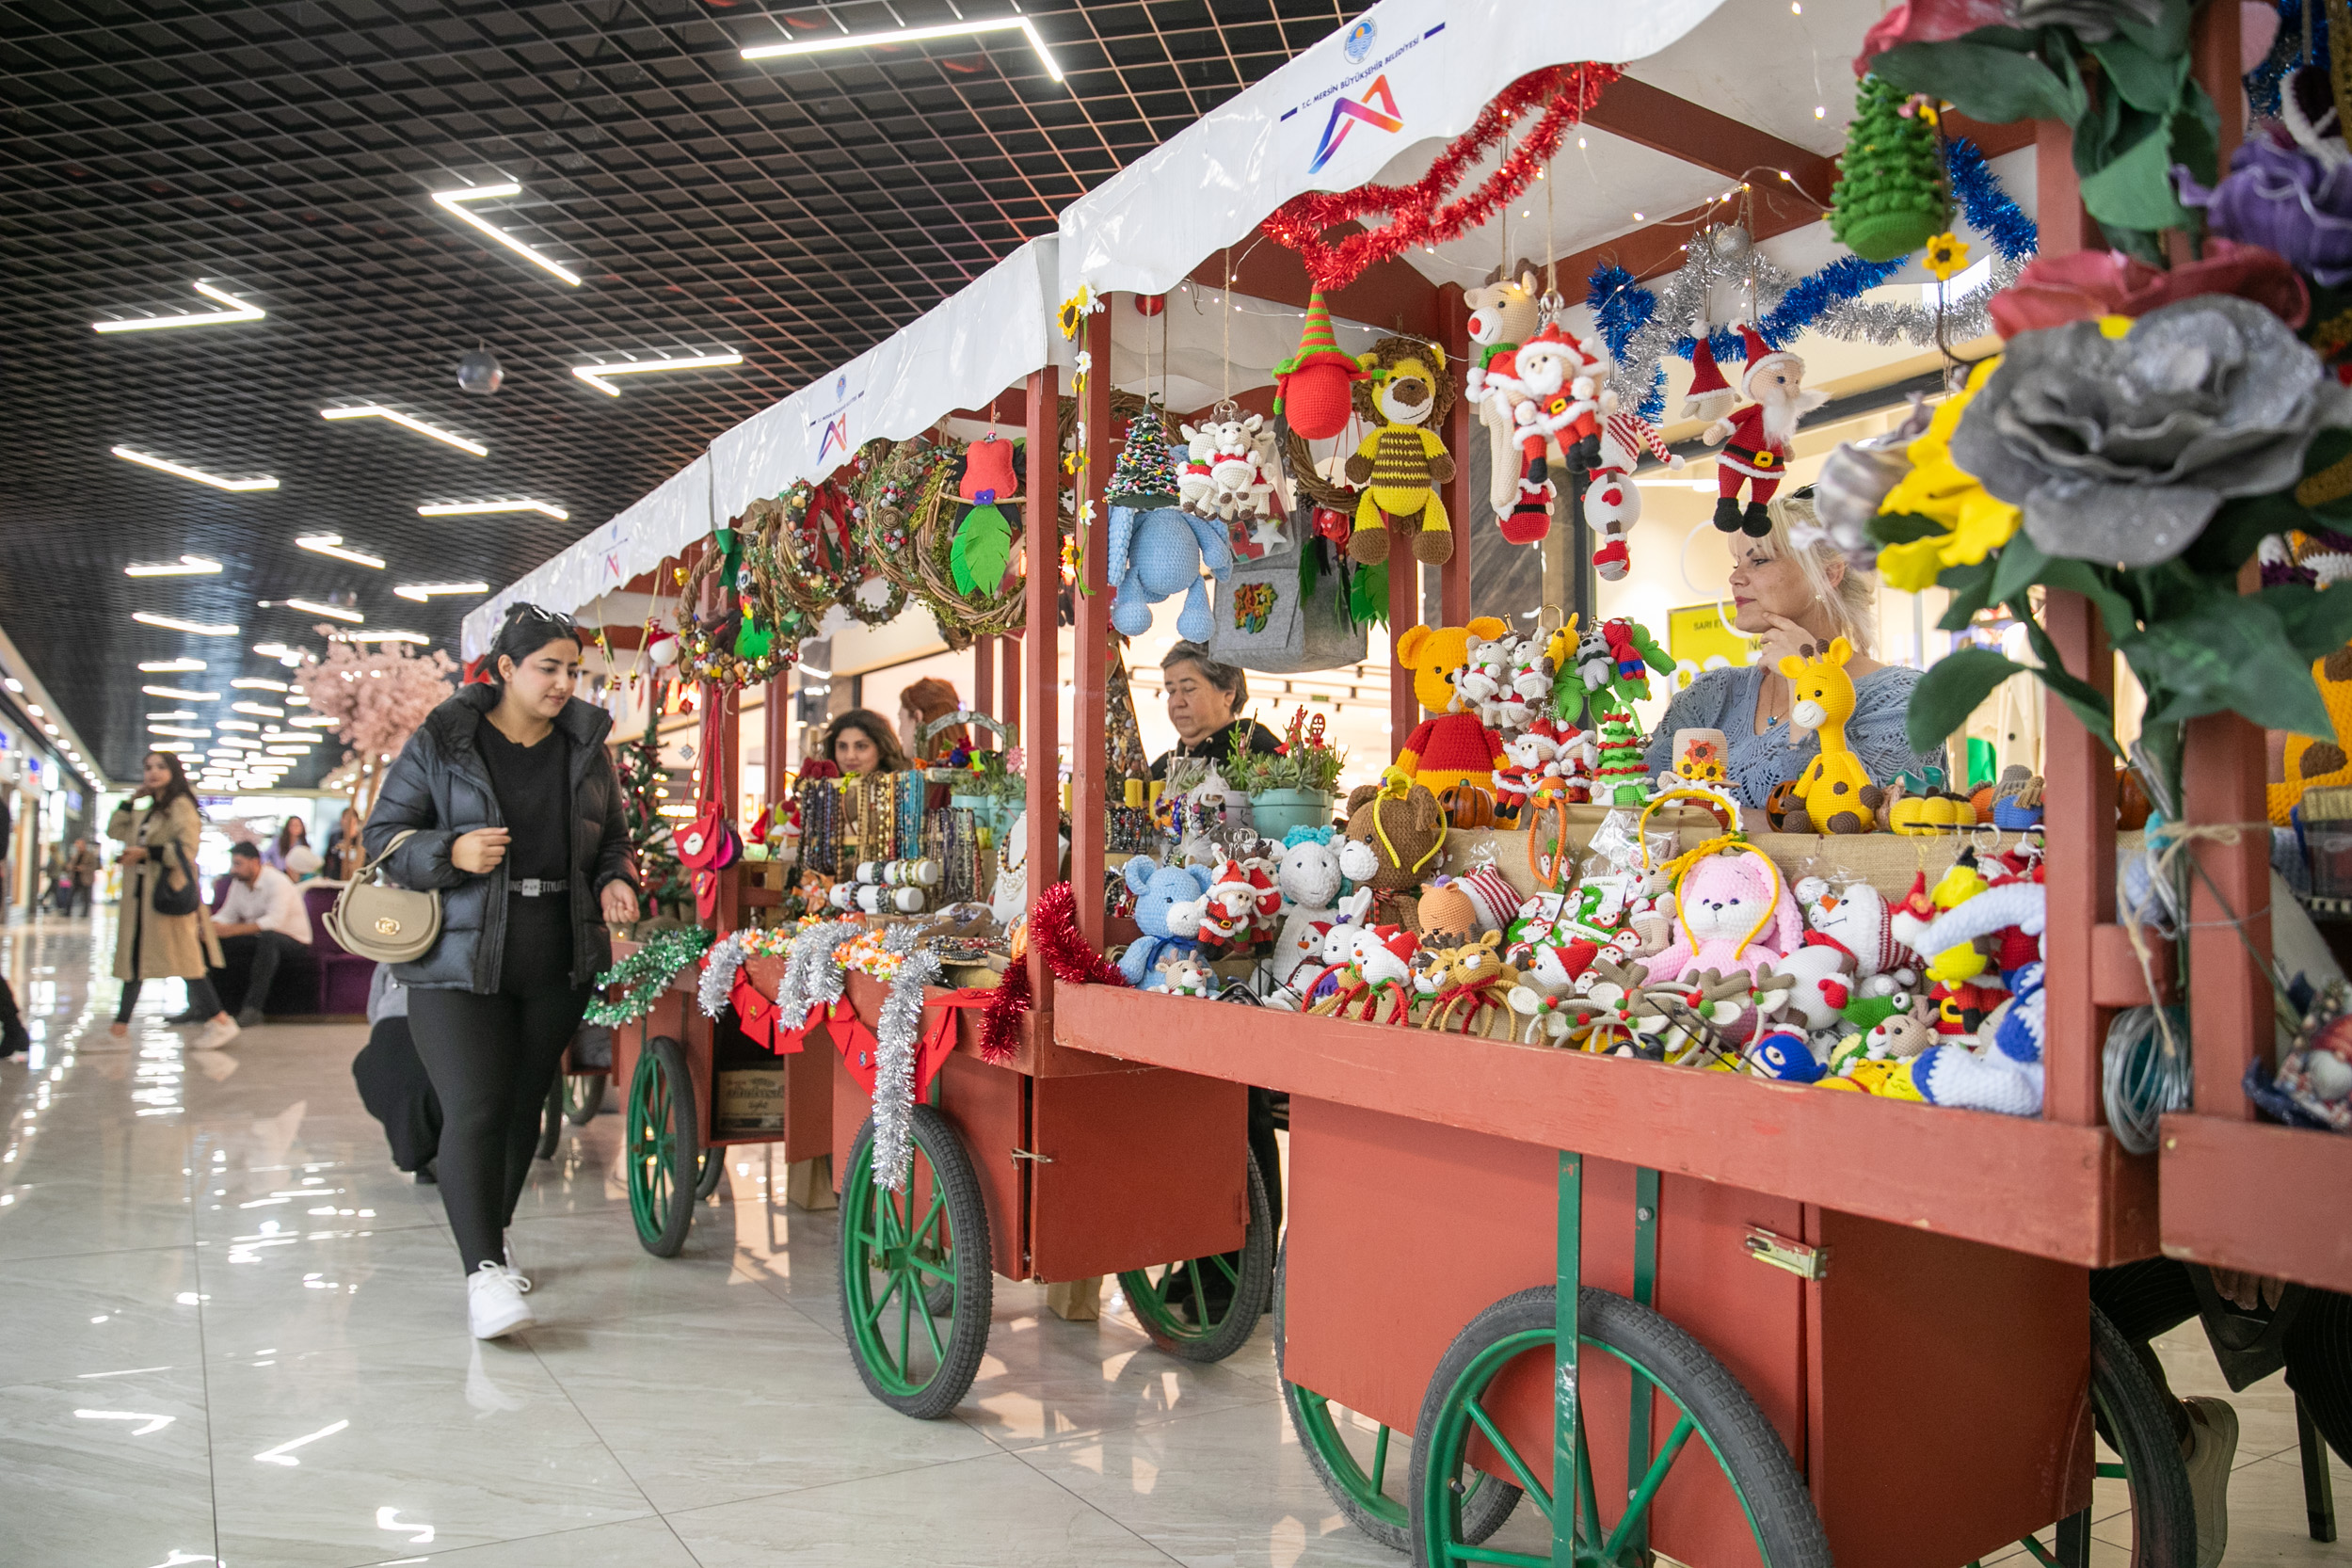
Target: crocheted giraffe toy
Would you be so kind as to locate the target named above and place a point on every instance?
(1838, 793)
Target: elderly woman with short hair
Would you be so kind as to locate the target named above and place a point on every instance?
(1203, 696)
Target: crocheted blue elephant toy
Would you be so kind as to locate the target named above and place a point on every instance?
(1169, 901)
(1159, 554)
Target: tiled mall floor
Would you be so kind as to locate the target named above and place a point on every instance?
(230, 1332)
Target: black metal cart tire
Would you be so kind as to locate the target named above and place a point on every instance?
(583, 1097)
(1248, 1274)
(662, 1140)
(1714, 1405)
(1360, 1493)
(891, 1253)
(552, 1120)
(710, 1171)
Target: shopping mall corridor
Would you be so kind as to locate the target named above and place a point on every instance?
(231, 1333)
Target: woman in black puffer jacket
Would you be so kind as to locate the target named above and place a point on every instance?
(513, 812)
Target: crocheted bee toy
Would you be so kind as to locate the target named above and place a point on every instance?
(1406, 396)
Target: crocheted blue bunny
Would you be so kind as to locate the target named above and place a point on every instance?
(1158, 554)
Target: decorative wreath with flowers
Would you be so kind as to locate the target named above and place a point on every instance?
(752, 633)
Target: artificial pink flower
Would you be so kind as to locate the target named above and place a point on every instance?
(1927, 22)
(2087, 284)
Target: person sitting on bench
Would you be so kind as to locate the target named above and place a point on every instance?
(261, 921)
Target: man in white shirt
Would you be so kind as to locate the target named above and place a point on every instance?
(261, 921)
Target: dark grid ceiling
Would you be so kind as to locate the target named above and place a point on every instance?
(794, 212)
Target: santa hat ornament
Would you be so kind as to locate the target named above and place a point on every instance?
(661, 647)
(1312, 388)
(1762, 356)
(1710, 396)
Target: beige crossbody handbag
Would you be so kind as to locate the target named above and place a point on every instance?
(392, 926)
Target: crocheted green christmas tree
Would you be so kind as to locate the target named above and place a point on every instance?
(1892, 196)
(1619, 773)
(1144, 474)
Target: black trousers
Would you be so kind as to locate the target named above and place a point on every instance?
(396, 1091)
(490, 1058)
(248, 967)
(2155, 1296)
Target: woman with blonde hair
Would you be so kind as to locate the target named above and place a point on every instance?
(1793, 589)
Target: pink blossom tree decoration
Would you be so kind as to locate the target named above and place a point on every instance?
(376, 699)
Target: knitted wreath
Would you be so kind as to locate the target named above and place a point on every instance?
(711, 643)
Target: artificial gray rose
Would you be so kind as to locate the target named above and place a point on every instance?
(2120, 450)
(2092, 21)
(1855, 480)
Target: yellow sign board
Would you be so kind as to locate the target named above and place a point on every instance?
(1697, 633)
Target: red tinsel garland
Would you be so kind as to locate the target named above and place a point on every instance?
(1300, 223)
(1054, 932)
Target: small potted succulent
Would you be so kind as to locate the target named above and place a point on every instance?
(1295, 786)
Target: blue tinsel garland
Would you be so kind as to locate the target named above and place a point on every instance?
(1622, 307)
(2286, 53)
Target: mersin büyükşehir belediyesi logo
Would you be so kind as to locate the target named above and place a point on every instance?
(1376, 108)
(1358, 42)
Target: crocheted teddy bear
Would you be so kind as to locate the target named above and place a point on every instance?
(1395, 838)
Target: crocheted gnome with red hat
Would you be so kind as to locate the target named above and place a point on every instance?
(1758, 441)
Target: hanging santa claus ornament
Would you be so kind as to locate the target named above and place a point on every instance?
(1758, 441)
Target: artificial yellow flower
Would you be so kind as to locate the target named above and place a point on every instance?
(1947, 256)
(1975, 522)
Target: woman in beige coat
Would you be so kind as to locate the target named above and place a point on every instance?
(161, 838)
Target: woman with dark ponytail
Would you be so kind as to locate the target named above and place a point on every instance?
(159, 863)
(506, 801)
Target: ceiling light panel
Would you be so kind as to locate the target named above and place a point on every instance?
(173, 623)
(331, 544)
(181, 693)
(312, 606)
(416, 637)
(433, 432)
(595, 374)
(164, 465)
(186, 566)
(914, 34)
(259, 710)
(478, 509)
(421, 592)
(169, 667)
(456, 204)
(253, 683)
(238, 309)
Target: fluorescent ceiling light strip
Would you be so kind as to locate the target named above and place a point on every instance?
(238, 310)
(914, 34)
(594, 375)
(240, 724)
(173, 623)
(331, 544)
(178, 733)
(376, 411)
(259, 710)
(187, 565)
(314, 607)
(181, 693)
(475, 508)
(315, 721)
(175, 713)
(167, 667)
(424, 591)
(252, 683)
(417, 637)
(452, 202)
(130, 456)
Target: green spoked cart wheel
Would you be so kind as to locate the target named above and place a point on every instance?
(661, 1143)
(916, 1291)
(583, 1097)
(552, 1119)
(2136, 1449)
(1709, 1420)
(1362, 1463)
(1206, 1309)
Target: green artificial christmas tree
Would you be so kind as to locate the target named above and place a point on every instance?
(1892, 196)
(1144, 474)
(1619, 775)
(642, 781)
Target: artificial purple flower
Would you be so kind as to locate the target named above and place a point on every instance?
(2280, 197)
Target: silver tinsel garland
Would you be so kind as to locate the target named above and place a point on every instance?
(896, 1042)
(1722, 258)
(811, 979)
(718, 974)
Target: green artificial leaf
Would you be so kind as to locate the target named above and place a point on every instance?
(2143, 80)
(2232, 654)
(2082, 578)
(2167, 37)
(2237, 530)
(2195, 128)
(1950, 690)
(1367, 595)
(1971, 590)
(754, 640)
(1983, 81)
(1888, 528)
(2016, 565)
(982, 549)
(2317, 621)
(2089, 705)
(2134, 189)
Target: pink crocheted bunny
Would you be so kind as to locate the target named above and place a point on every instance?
(1732, 911)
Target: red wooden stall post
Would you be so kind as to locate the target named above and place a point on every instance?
(1404, 611)
(985, 676)
(1090, 727)
(1009, 679)
(1453, 327)
(1039, 739)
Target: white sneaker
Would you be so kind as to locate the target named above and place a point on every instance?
(215, 1034)
(514, 1270)
(2213, 1427)
(494, 1302)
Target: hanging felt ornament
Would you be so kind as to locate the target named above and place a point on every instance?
(987, 471)
(1892, 196)
(1314, 386)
